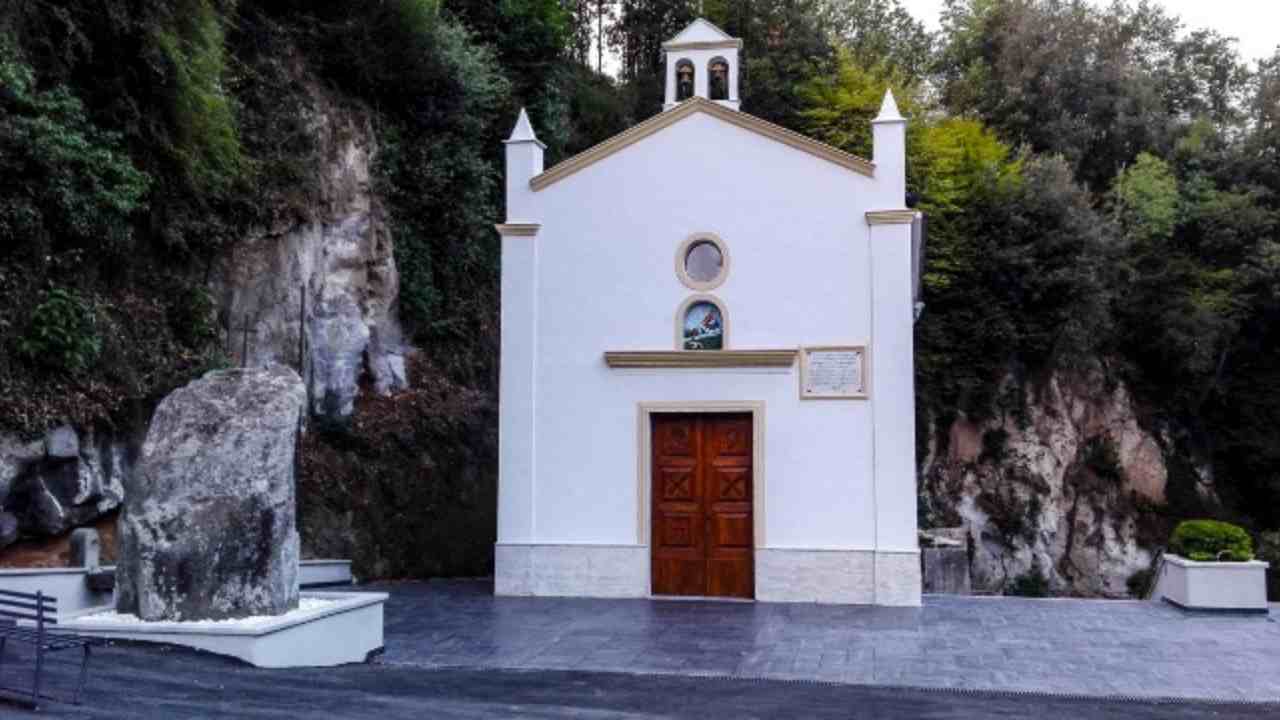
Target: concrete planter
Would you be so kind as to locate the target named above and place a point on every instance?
(345, 631)
(322, 573)
(1221, 586)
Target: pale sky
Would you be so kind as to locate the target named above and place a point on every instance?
(1255, 23)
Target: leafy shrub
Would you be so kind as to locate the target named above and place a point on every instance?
(1101, 456)
(63, 180)
(994, 443)
(1032, 583)
(1269, 550)
(1139, 583)
(63, 333)
(407, 486)
(1015, 518)
(206, 141)
(192, 316)
(1211, 540)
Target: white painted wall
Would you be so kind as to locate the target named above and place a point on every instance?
(806, 269)
(798, 276)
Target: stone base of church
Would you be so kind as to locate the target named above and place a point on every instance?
(849, 577)
(843, 577)
(607, 571)
(899, 581)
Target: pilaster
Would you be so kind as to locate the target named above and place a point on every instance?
(517, 383)
(893, 392)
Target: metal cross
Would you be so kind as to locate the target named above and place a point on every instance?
(244, 347)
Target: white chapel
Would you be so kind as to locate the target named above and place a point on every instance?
(706, 370)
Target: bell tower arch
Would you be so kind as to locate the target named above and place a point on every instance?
(702, 61)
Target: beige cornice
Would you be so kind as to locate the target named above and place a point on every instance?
(891, 217)
(518, 229)
(619, 142)
(702, 359)
(704, 45)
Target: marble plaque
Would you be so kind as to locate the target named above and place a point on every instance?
(833, 372)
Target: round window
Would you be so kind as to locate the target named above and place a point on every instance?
(702, 262)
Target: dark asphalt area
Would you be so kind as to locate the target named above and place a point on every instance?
(134, 681)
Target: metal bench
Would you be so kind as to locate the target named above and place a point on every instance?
(41, 610)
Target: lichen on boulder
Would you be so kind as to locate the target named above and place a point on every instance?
(208, 530)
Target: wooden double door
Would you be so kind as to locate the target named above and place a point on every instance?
(702, 525)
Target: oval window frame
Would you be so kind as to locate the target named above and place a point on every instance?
(682, 253)
(683, 311)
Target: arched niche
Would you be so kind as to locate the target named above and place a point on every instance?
(685, 80)
(702, 323)
(718, 79)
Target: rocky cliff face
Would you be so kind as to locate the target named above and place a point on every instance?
(332, 248)
(67, 478)
(1058, 487)
(333, 259)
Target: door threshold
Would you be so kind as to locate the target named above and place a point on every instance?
(701, 598)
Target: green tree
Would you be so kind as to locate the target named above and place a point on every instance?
(1018, 281)
(640, 29)
(1096, 85)
(531, 39)
(882, 32)
(1146, 199)
(64, 182)
(838, 108)
(785, 46)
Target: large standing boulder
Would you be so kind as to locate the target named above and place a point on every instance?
(208, 529)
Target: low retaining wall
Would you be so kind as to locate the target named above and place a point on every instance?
(68, 585)
(323, 573)
(347, 630)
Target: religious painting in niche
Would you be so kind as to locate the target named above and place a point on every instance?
(684, 80)
(704, 262)
(719, 79)
(703, 327)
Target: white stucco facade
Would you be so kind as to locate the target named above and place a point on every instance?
(820, 248)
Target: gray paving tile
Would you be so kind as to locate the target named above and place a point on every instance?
(1062, 646)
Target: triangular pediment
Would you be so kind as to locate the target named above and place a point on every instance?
(700, 32)
(687, 109)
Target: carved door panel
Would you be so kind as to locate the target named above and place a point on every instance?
(730, 529)
(702, 537)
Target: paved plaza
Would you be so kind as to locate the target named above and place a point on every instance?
(455, 651)
(1069, 647)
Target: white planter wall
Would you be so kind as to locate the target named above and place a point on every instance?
(344, 632)
(1229, 586)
